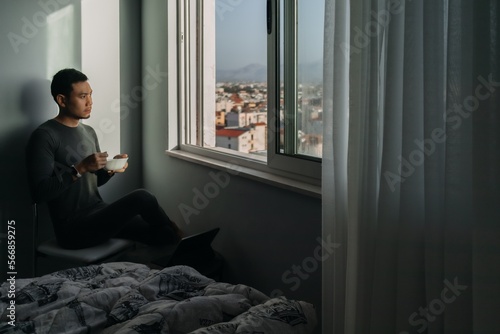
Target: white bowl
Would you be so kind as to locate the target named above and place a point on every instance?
(115, 164)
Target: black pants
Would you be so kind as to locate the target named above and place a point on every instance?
(136, 216)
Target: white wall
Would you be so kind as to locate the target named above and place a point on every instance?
(37, 38)
(30, 50)
(101, 63)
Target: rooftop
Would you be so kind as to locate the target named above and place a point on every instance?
(230, 132)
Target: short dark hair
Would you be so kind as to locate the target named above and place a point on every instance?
(62, 82)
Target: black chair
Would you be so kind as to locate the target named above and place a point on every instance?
(107, 251)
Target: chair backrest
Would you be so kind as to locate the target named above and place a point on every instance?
(42, 224)
(35, 237)
(42, 229)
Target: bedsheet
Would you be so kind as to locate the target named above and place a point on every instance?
(125, 297)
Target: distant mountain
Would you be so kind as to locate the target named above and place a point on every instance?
(249, 73)
(309, 72)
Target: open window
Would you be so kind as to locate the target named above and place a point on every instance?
(250, 83)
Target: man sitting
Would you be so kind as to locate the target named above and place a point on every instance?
(66, 166)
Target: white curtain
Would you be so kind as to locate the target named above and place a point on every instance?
(411, 166)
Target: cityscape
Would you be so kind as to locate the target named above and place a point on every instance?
(241, 118)
(241, 79)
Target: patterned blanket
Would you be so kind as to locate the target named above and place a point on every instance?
(124, 297)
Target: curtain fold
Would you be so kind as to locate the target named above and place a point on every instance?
(411, 164)
(335, 144)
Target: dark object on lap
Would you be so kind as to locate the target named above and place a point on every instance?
(196, 251)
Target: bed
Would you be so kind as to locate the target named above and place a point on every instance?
(125, 297)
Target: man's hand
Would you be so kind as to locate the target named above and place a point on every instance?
(92, 163)
(120, 156)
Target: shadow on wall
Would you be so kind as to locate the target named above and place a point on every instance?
(35, 104)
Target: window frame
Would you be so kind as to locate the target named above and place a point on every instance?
(291, 172)
(289, 160)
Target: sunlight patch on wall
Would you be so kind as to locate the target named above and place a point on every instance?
(60, 40)
(101, 63)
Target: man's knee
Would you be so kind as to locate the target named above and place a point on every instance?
(144, 196)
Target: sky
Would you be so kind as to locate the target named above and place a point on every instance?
(241, 35)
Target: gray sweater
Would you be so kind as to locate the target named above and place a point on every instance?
(51, 151)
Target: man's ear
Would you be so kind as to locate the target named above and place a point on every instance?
(61, 100)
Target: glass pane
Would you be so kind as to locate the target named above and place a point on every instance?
(310, 77)
(241, 75)
(301, 91)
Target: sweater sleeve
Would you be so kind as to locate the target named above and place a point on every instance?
(102, 174)
(102, 177)
(47, 178)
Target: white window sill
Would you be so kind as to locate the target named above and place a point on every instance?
(279, 181)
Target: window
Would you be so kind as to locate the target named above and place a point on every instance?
(253, 67)
(302, 60)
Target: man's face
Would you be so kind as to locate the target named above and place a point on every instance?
(79, 104)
